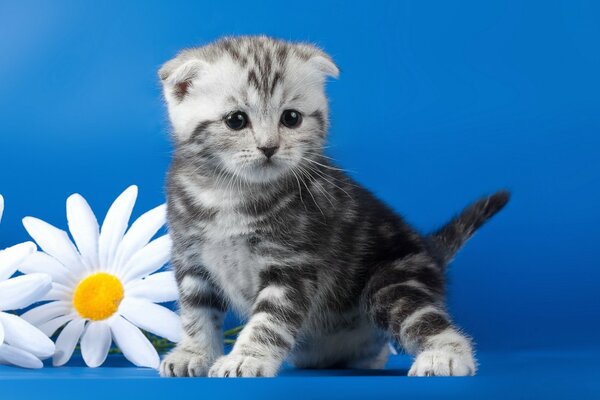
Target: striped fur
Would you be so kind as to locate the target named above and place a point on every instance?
(324, 272)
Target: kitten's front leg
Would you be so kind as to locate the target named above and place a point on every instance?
(202, 314)
(277, 315)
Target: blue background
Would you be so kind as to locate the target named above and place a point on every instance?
(437, 104)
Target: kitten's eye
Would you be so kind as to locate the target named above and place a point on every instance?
(291, 118)
(237, 120)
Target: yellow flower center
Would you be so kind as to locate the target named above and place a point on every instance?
(98, 296)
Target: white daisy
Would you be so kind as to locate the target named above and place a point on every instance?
(103, 286)
(21, 343)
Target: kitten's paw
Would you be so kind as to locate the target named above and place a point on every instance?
(443, 363)
(183, 363)
(234, 365)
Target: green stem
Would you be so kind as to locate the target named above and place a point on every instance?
(233, 331)
(162, 345)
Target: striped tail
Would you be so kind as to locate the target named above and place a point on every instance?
(448, 240)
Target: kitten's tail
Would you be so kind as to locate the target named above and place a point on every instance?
(448, 240)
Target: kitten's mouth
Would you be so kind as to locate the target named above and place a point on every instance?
(268, 163)
(265, 170)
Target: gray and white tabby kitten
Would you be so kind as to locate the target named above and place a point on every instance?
(264, 224)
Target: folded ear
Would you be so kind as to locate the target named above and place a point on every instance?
(325, 65)
(177, 76)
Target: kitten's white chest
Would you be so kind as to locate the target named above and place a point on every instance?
(225, 251)
(228, 223)
(236, 270)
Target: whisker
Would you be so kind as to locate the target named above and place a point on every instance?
(319, 155)
(322, 165)
(299, 189)
(321, 189)
(324, 176)
(309, 192)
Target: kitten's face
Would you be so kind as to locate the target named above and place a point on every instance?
(251, 106)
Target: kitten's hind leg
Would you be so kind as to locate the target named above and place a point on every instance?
(406, 299)
(202, 314)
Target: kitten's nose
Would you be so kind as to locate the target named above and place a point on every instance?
(268, 151)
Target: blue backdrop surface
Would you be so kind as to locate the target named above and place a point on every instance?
(437, 104)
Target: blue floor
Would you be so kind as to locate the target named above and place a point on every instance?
(517, 375)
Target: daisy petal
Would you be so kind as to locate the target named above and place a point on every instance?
(84, 229)
(22, 291)
(18, 357)
(11, 258)
(42, 262)
(54, 241)
(115, 225)
(95, 343)
(134, 345)
(152, 318)
(1, 206)
(1, 333)
(147, 260)
(58, 292)
(49, 328)
(66, 342)
(44, 313)
(21, 334)
(140, 233)
(157, 288)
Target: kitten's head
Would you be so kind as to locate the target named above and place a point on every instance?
(253, 107)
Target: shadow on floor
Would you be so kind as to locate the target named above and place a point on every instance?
(291, 372)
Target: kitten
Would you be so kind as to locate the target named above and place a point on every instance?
(265, 225)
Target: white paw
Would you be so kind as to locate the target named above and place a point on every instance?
(234, 365)
(443, 363)
(182, 363)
